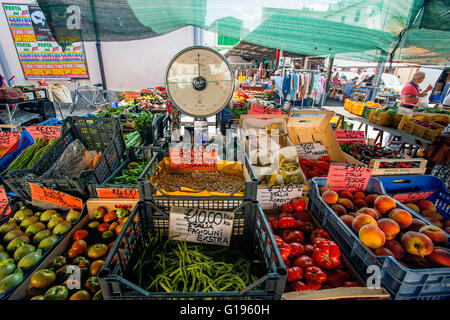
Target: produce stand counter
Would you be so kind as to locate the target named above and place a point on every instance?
(405, 138)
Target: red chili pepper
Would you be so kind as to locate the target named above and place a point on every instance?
(323, 165)
(321, 171)
(319, 233)
(293, 236)
(294, 273)
(307, 162)
(287, 207)
(286, 222)
(315, 276)
(298, 204)
(326, 254)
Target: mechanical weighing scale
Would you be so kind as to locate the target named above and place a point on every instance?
(200, 84)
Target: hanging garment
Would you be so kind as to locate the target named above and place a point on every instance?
(286, 85)
(294, 86)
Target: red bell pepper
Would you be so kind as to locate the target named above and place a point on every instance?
(279, 241)
(315, 277)
(294, 273)
(299, 204)
(298, 286)
(296, 249)
(293, 236)
(274, 223)
(285, 251)
(285, 214)
(286, 223)
(326, 254)
(287, 207)
(319, 233)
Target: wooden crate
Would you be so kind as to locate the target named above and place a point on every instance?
(377, 171)
(430, 134)
(308, 126)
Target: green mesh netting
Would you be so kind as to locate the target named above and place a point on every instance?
(370, 30)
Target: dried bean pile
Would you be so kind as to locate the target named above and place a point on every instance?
(199, 181)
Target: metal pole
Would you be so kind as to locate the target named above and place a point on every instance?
(98, 44)
(374, 90)
(329, 78)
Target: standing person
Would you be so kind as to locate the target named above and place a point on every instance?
(411, 93)
(348, 91)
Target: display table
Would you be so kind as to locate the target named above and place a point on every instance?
(405, 137)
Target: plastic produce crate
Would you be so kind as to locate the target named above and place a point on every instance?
(402, 283)
(123, 190)
(251, 235)
(24, 142)
(15, 205)
(100, 134)
(407, 184)
(147, 189)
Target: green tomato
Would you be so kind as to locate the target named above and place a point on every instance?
(56, 293)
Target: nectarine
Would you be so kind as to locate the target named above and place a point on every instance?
(416, 225)
(347, 219)
(440, 257)
(389, 227)
(370, 199)
(417, 243)
(345, 194)
(425, 205)
(371, 212)
(384, 204)
(396, 248)
(417, 262)
(437, 235)
(401, 216)
(359, 195)
(347, 203)
(383, 251)
(361, 220)
(338, 209)
(330, 197)
(447, 223)
(359, 203)
(371, 236)
(436, 222)
(413, 207)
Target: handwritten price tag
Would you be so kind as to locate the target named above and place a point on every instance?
(274, 197)
(259, 109)
(8, 138)
(350, 136)
(349, 177)
(46, 132)
(4, 201)
(311, 151)
(58, 198)
(412, 197)
(194, 157)
(118, 193)
(201, 226)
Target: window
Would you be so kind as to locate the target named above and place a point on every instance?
(358, 14)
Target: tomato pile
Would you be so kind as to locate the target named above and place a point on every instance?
(315, 168)
(312, 258)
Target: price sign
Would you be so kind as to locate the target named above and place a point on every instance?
(412, 197)
(8, 138)
(350, 136)
(118, 193)
(349, 177)
(40, 94)
(274, 197)
(193, 157)
(259, 109)
(57, 198)
(4, 201)
(28, 96)
(201, 225)
(46, 132)
(311, 151)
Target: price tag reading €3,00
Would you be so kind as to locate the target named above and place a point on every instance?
(54, 197)
(201, 225)
(349, 177)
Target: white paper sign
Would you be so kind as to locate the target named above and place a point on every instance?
(201, 225)
(311, 151)
(274, 197)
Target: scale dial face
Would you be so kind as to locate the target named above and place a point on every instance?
(199, 81)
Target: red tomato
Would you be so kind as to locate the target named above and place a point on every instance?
(80, 235)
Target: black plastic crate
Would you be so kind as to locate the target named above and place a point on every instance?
(251, 235)
(141, 153)
(147, 189)
(102, 135)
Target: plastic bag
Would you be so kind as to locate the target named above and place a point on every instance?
(74, 160)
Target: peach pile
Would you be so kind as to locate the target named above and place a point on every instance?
(428, 210)
(389, 230)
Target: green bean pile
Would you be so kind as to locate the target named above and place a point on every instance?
(181, 267)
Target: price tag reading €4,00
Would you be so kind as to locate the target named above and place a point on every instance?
(54, 197)
(274, 197)
(193, 157)
(111, 193)
(201, 225)
(46, 132)
(349, 177)
(412, 197)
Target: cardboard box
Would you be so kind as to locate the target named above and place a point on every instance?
(308, 126)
